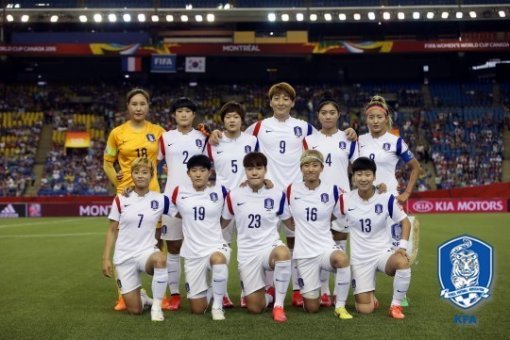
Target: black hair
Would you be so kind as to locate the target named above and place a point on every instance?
(232, 107)
(364, 163)
(255, 159)
(327, 98)
(199, 161)
(184, 102)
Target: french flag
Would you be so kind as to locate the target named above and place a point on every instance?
(132, 64)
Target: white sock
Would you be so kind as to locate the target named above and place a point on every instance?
(324, 278)
(295, 282)
(282, 276)
(269, 278)
(342, 244)
(159, 282)
(209, 295)
(342, 280)
(219, 284)
(174, 272)
(400, 285)
(269, 299)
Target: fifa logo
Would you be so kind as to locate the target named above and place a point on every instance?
(465, 266)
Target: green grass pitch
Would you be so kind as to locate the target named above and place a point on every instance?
(52, 288)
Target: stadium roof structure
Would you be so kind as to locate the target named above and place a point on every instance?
(207, 12)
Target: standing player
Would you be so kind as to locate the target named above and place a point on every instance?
(338, 151)
(312, 203)
(227, 157)
(135, 138)
(257, 212)
(132, 225)
(204, 249)
(176, 147)
(365, 211)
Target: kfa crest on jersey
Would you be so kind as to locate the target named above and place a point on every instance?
(298, 131)
(465, 268)
(154, 205)
(150, 137)
(378, 209)
(213, 196)
(342, 145)
(247, 149)
(324, 198)
(198, 143)
(268, 204)
(386, 146)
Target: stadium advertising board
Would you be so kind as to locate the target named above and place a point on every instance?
(12, 210)
(457, 205)
(68, 209)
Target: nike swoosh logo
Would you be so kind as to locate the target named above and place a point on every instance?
(170, 144)
(126, 205)
(351, 209)
(238, 204)
(161, 281)
(184, 197)
(269, 131)
(362, 146)
(401, 291)
(315, 147)
(218, 152)
(297, 198)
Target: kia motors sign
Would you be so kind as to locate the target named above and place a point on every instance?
(457, 205)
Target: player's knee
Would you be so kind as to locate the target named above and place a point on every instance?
(365, 308)
(401, 262)
(254, 308)
(198, 308)
(160, 260)
(311, 306)
(338, 236)
(281, 253)
(174, 247)
(339, 260)
(134, 310)
(218, 258)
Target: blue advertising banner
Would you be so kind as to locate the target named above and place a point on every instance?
(163, 63)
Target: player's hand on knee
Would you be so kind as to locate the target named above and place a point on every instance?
(402, 252)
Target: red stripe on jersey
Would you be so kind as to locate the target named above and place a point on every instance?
(289, 189)
(117, 202)
(174, 195)
(229, 204)
(341, 199)
(162, 145)
(257, 128)
(209, 151)
(305, 144)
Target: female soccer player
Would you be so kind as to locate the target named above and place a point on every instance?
(203, 249)
(365, 212)
(132, 230)
(257, 212)
(312, 203)
(135, 138)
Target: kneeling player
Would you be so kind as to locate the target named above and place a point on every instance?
(133, 220)
(257, 212)
(312, 203)
(364, 211)
(203, 249)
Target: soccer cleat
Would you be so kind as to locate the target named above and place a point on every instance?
(243, 302)
(270, 291)
(121, 305)
(279, 314)
(227, 303)
(405, 302)
(217, 314)
(173, 304)
(395, 312)
(297, 299)
(146, 300)
(326, 300)
(342, 313)
(157, 314)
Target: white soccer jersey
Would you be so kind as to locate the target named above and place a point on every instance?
(228, 158)
(176, 149)
(366, 221)
(386, 152)
(257, 215)
(282, 144)
(312, 210)
(337, 152)
(137, 217)
(200, 212)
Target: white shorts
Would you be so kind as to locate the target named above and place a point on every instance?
(197, 270)
(336, 226)
(128, 272)
(252, 271)
(309, 270)
(363, 275)
(229, 231)
(171, 228)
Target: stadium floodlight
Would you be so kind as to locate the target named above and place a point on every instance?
(227, 6)
(416, 15)
(501, 14)
(189, 6)
(126, 17)
(199, 18)
(472, 14)
(155, 18)
(430, 15)
(25, 18)
(356, 16)
(371, 16)
(184, 18)
(54, 18)
(445, 15)
(386, 16)
(83, 18)
(210, 17)
(141, 17)
(9, 18)
(98, 17)
(328, 16)
(285, 17)
(459, 15)
(169, 18)
(300, 17)
(342, 16)
(112, 17)
(401, 16)
(313, 17)
(271, 17)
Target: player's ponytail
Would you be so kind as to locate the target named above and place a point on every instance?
(378, 102)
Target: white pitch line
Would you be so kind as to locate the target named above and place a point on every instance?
(50, 235)
(14, 225)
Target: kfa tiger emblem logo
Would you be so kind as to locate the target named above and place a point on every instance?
(465, 268)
